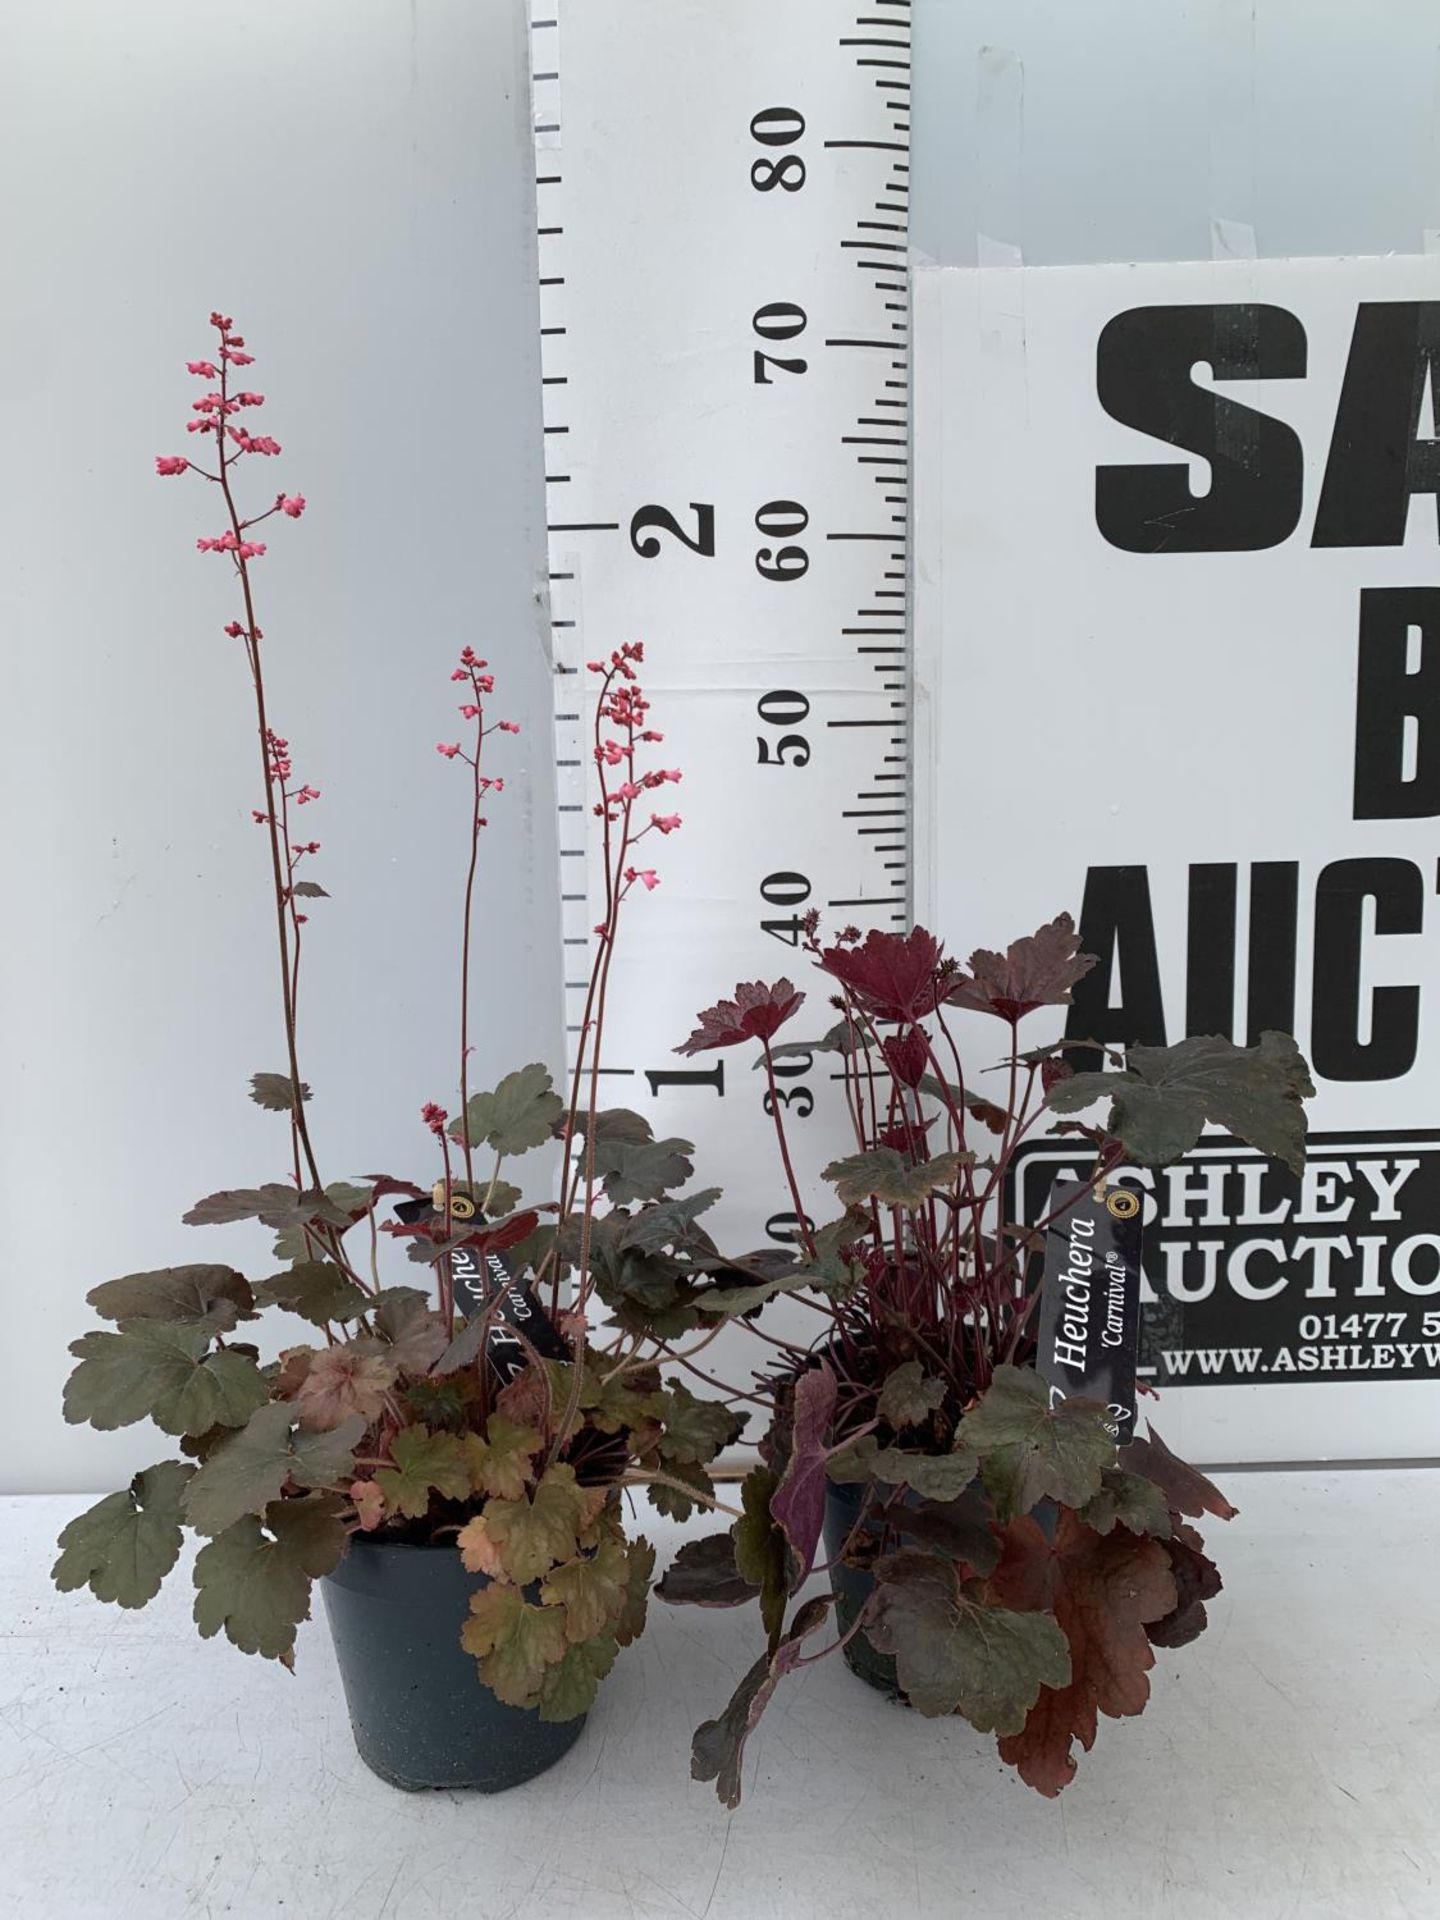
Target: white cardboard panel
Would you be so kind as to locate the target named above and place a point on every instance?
(1085, 707)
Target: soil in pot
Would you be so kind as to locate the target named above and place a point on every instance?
(419, 1713)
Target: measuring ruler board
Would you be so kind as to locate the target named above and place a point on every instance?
(723, 197)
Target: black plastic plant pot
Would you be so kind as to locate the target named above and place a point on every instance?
(852, 1589)
(419, 1712)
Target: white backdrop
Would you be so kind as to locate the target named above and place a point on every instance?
(350, 179)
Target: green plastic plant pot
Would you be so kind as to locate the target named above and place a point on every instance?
(419, 1712)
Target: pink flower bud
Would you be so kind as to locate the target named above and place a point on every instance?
(168, 463)
(249, 399)
(508, 726)
(234, 629)
(449, 752)
(260, 819)
(459, 674)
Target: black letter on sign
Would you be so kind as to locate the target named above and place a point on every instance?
(1116, 923)
(1388, 696)
(1210, 952)
(1143, 367)
(1274, 921)
(1340, 895)
(1376, 462)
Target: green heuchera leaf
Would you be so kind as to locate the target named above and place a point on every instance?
(346, 1201)
(761, 1556)
(519, 1114)
(415, 1336)
(213, 1297)
(568, 1688)
(1130, 1501)
(533, 1535)
(502, 1459)
(164, 1372)
(274, 1205)
(514, 1642)
(276, 1091)
(254, 1580)
(245, 1473)
(639, 1572)
(907, 1398)
(934, 1476)
(644, 1171)
(884, 1174)
(1166, 1094)
(695, 1430)
(424, 1462)
(592, 1589)
(315, 1289)
(955, 1655)
(123, 1546)
(1030, 1453)
(674, 1504)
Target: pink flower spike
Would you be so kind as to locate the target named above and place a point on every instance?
(434, 1116)
(168, 463)
(292, 504)
(449, 752)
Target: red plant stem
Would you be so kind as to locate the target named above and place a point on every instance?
(279, 864)
(465, 949)
(801, 1219)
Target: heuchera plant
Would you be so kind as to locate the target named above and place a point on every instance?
(1012, 1563)
(388, 1420)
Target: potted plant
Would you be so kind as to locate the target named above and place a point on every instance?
(446, 1459)
(997, 1548)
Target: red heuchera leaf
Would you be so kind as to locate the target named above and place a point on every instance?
(1197, 1579)
(756, 1012)
(894, 976)
(1038, 971)
(907, 1056)
(797, 1505)
(1103, 1590)
(1185, 1488)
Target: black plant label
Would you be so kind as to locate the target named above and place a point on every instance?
(1090, 1299)
(482, 1279)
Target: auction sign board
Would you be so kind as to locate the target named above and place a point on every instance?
(1178, 672)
